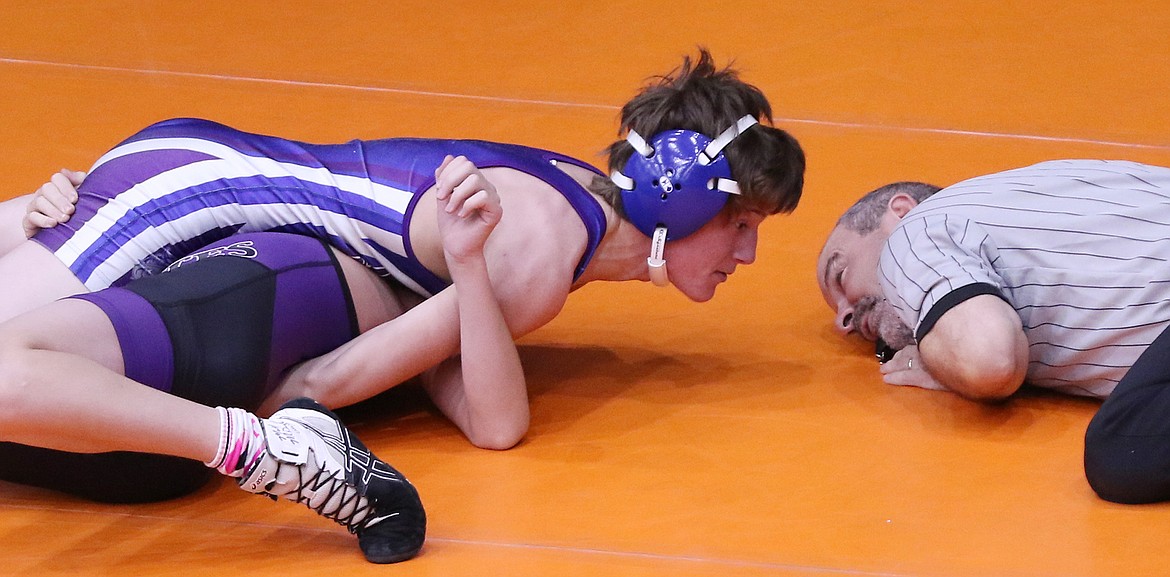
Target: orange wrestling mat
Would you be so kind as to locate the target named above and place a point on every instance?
(735, 438)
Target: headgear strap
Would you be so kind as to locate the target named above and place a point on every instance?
(675, 184)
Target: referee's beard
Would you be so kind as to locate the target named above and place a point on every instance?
(887, 325)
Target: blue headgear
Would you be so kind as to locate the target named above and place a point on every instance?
(675, 184)
(678, 181)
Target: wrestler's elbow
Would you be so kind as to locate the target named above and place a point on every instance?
(496, 440)
(497, 434)
(500, 436)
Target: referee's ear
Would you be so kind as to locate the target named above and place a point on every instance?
(901, 203)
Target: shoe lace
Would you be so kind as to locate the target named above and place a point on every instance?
(327, 495)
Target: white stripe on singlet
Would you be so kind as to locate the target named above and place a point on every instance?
(230, 163)
(1080, 248)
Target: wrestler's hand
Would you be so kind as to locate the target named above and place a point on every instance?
(468, 208)
(906, 369)
(52, 203)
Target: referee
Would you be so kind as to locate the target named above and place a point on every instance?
(1056, 274)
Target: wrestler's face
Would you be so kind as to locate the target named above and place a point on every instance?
(697, 263)
(847, 272)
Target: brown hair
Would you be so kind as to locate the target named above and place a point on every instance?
(767, 162)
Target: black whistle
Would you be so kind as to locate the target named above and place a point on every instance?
(883, 352)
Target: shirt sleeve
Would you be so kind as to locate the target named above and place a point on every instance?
(932, 263)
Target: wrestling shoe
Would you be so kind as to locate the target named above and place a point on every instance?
(314, 459)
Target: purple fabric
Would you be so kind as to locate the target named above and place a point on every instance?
(236, 191)
(312, 313)
(407, 164)
(145, 343)
(112, 179)
(297, 334)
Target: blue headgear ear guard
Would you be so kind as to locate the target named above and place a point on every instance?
(675, 184)
(678, 181)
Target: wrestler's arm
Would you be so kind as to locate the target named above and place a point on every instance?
(476, 381)
(977, 349)
(487, 377)
(423, 341)
(484, 392)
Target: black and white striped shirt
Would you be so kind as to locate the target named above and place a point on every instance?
(1080, 248)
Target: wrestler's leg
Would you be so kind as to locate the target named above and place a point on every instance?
(1127, 445)
(61, 388)
(11, 216)
(31, 276)
(115, 477)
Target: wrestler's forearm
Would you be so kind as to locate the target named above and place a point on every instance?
(493, 412)
(376, 360)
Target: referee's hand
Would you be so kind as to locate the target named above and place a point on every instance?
(907, 370)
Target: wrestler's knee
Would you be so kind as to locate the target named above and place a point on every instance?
(18, 377)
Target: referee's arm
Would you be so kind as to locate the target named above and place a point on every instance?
(977, 348)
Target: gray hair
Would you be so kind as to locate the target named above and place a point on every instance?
(866, 214)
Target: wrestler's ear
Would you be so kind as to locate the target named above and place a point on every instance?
(901, 203)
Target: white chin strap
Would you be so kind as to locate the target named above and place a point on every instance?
(713, 149)
(656, 261)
